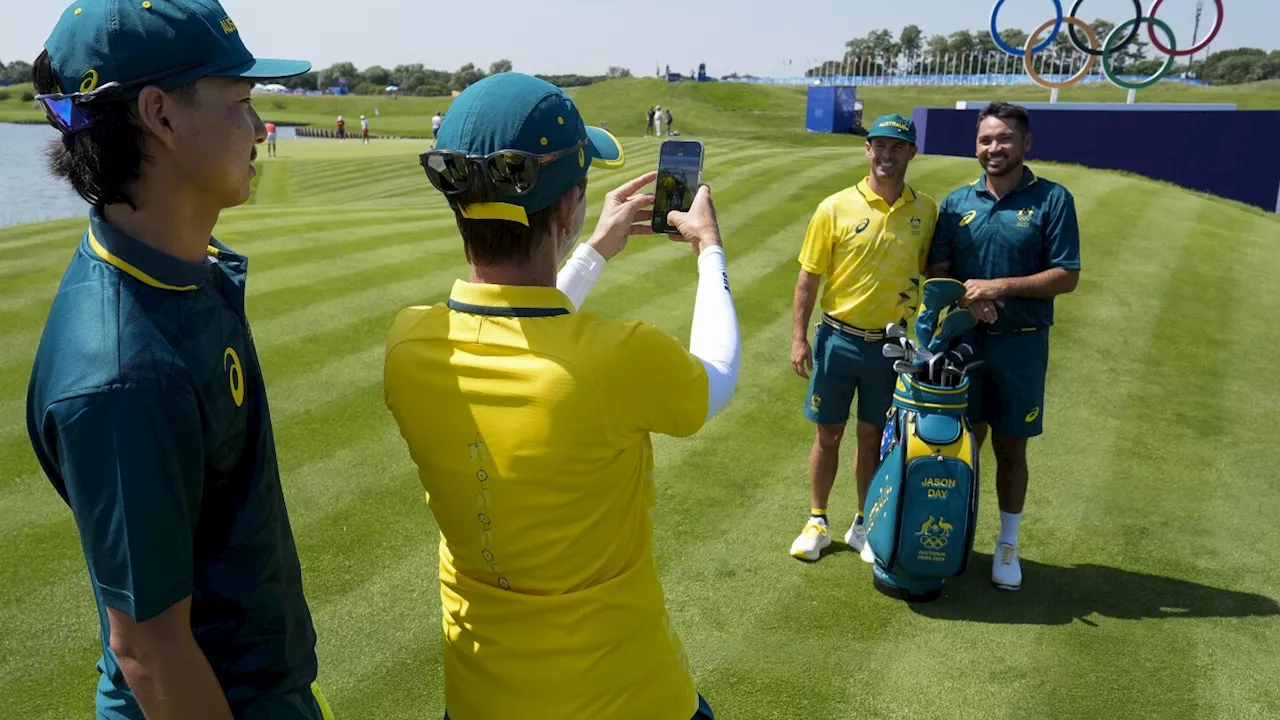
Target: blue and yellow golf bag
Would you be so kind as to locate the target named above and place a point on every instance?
(923, 501)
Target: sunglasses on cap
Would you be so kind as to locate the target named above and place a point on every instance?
(512, 172)
(71, 112)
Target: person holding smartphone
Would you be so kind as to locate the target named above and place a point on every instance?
(530, 421)
(871, 242)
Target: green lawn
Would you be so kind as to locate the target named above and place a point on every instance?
(772, 113)
(1152, 551)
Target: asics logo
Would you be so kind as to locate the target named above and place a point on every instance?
(1031, 416)
(862, 225)
(235, 375)
(90, 81)
(968, 217)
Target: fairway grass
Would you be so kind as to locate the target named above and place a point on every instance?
(772, 113)
(1151, 550)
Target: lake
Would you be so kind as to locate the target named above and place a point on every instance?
(28, 193)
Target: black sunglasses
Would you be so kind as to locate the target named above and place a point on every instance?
(512, 172)
(71, 112)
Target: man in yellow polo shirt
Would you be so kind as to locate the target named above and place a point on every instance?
(870, 241)
(530, 421)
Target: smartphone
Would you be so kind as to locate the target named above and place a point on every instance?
(679, 176)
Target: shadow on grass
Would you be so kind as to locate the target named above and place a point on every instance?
(1057, 595)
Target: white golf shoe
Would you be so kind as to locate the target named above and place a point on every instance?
(814, 537)
(1006, 572)
(856, 538)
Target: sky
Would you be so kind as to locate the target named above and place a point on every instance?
(588, 36)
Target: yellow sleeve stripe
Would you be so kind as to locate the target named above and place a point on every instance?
(130, 270)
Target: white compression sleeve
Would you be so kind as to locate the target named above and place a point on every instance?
(580, 274)
(714, 337)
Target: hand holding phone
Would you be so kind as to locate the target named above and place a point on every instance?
(699, 227)
(679, 176)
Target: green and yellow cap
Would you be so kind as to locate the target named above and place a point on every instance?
(514, 111)
(166, 43)
(893, 126)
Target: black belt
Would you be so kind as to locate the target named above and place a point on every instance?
(846, 329)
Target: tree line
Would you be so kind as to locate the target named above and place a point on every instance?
(911, 53)
(414, 79)
(417, 79)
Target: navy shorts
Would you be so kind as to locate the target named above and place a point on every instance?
(845, 366)
(1007, 390)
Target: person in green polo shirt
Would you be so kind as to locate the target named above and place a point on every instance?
(1014, 240)
(870, 241)
(146, 407)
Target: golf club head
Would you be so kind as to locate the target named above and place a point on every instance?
(903, 367)
(893, 351)
(895, 330)
(972, 365)
(923, 354)
(965, 349)
(934, 365)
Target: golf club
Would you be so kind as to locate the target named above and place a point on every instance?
(953, 372)
(893, 351)
(895, 330)
(903, 367)
(934, 363)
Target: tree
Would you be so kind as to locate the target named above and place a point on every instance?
(19, 71)
(939, 46)
(500, 66)
(330, 76)
(378, 75)
(881, 44)
(961, 41)
(911, 40)
(466, 76)
(309, 81)
(618, 72)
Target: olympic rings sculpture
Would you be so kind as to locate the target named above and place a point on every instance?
(1109, 47)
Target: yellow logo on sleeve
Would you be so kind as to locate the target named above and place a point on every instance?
(1031, 416)
(968, 217)
(235, 375)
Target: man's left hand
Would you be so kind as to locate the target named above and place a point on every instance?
(983, 290)
(623, 216)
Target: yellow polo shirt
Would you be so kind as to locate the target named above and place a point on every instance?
(873, 254)
(529, 423)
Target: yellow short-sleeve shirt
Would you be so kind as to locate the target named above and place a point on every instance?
(872, 254)
(529, 424)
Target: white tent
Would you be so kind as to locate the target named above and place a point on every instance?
(272, 88)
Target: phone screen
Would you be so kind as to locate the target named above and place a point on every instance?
(679, 175)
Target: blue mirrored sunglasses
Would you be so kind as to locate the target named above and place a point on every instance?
(68, 112)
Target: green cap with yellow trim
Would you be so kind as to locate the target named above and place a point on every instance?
(893, 126)
(514, 111)
(167, 43)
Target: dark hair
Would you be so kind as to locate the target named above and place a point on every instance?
(500, 242)
(1010, 113)
(101, 162)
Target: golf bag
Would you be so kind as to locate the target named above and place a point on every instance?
(923, 501)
